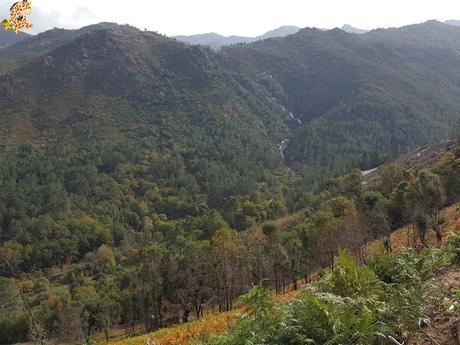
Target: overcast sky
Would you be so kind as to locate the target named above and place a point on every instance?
(239, 17)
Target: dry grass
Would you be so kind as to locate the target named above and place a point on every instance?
(183, 334)
(213, 324)
(405, 237)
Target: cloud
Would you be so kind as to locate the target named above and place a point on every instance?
(240, 17)
(46, 16)
(83, 13)
(45, 19)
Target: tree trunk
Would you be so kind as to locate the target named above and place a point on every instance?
(34, 322)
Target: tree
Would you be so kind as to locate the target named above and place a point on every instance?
(390, 176)
(9, 260)
(427, 196)
(194, 275)
(229, 269)
(152, 284)
(422, 223)
(456, 132)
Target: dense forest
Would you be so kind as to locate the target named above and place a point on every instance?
(142, 180)
(95, 241)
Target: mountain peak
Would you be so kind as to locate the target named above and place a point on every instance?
(216, 41)
(350, 29)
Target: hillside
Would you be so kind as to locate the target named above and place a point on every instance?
(355, 94)
(147, 181)
(94, 247)
(423, 158)
(112, 86)
(8, 39)
(335, 100)
(441, 328)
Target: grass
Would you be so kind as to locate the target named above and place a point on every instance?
(404, 237)
(183, 334)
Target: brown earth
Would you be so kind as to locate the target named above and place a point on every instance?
(442, 328)
(424, 157)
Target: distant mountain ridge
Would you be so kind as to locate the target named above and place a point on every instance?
(217, 41)
(352, 30)
(453, 22)
(9, 38)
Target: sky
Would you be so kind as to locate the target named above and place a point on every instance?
(235, 17)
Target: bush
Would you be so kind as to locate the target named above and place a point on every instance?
(348, 279)
(351, 305)
(14, 330)
(400, 269)
(454, 245)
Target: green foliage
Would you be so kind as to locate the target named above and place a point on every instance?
(351, 305)
(348, 279)
(259, 302)
(150, 180)
(399, 269)
(454, 244)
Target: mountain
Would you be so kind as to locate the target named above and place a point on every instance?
(141, 177)
(217, 41)
(359, 97)
(280, 32)
(46, 41)
(335, 100)
(452, 22)
(213, 40)
(122, 85)
(352, 30)
(8, 38)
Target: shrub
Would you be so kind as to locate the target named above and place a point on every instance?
(348, 279)
(454, 245)
(400, 269)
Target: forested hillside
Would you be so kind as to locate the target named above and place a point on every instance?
(104, 256)
(360, 98)
(140, 177)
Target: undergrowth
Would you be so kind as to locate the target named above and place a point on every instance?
(350, 305)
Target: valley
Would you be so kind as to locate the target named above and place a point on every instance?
(146, 184)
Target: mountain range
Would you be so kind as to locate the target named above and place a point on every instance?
(7, 39)
(216, 41)
(337, 100)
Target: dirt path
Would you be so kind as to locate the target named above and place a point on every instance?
(442, 329)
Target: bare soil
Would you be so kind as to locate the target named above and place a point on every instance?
(442, 328)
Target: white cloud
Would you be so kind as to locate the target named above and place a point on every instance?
(242, 17)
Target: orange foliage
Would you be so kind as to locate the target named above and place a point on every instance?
(214, 324)
(183, 334)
